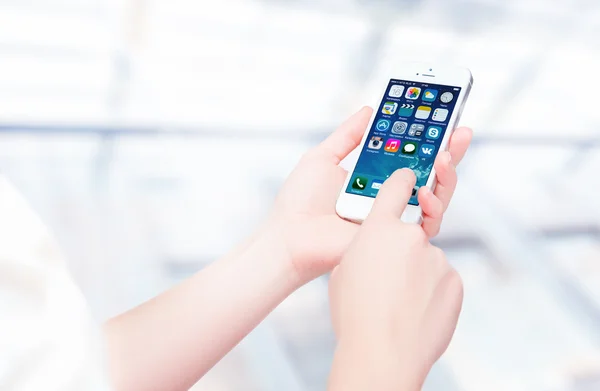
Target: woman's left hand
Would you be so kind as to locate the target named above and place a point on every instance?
(304, 216)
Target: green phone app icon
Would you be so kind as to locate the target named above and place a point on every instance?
(359, 183)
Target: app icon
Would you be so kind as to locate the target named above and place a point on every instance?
(446, 97)
(427, 150)
(399, 127)
(392, 145)
(389, 108)
(433, 132)
(412, 93)
(359, 183)
(376, 184)
(383, 125)
(423, 112)
(396, 91)
(406, 110)
(416, 130)
(409, 148)
(376, 142)
(430, 95)
(440, 115)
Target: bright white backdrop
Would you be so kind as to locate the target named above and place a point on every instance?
(134, 126)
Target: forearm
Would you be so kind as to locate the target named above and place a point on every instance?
(169, 342)
(372, 365)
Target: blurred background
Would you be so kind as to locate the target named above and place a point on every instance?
(114, 113)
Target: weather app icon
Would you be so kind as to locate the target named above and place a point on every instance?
(430, 95)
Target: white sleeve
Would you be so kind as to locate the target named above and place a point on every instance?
(48, 339)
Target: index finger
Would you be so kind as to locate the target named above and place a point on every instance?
(394, 194)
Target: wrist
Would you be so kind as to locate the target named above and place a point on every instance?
(379, 365)
(274, 256)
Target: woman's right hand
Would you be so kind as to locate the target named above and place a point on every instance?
(395, 300)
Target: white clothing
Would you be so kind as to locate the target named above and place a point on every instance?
(48, 339)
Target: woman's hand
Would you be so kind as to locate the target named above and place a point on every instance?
(304, 216)
(302, 239)
(395, 300)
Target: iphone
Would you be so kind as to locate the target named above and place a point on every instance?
(417, 108)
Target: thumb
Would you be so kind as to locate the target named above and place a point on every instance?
(394, 194)
(347, 137)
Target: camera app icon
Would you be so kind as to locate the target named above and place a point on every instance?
(376, 142)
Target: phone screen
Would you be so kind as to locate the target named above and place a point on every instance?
(407, 131)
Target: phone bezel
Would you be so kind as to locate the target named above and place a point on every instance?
(355, 207)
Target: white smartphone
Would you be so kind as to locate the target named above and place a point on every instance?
(418, 110)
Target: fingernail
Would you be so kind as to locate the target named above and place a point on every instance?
(448, 157)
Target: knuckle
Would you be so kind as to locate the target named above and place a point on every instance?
(439, 255)
(439, 261)
(452, 185)
(415, 233)
(455, 282)
(436, 212)
(434, 230)
(373, 221)
(378, 225)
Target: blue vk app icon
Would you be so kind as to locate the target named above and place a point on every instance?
(427, 150)
(382, 125)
